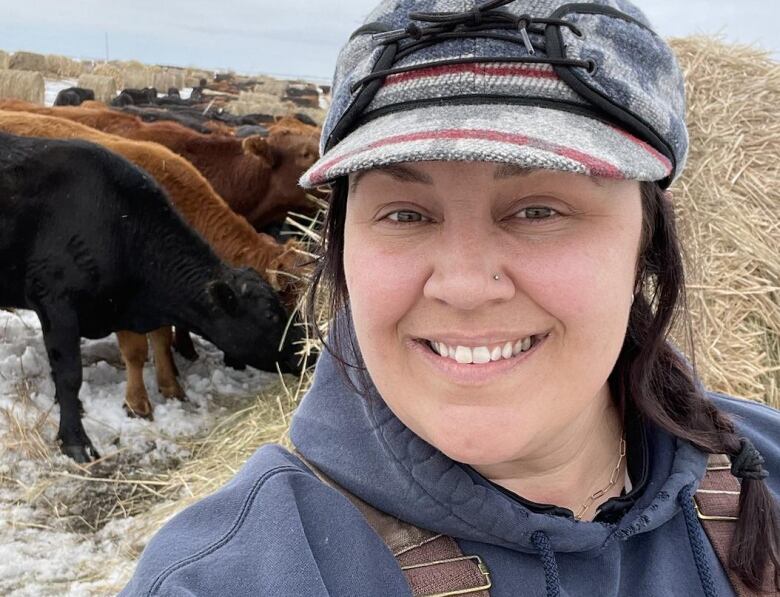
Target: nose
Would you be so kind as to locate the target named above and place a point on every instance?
(464, 265)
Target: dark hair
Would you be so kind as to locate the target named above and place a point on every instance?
(650, 373)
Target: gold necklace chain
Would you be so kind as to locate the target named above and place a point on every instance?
(612, 480)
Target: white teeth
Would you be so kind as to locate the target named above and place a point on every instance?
(506, 351)
(463, 354)
(480, 354)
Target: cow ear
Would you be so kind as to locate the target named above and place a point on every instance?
(259, 146)
(223, 296)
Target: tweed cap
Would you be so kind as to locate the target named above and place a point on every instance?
(585, 87)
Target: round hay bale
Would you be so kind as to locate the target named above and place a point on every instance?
(62, 66)
(163, 80)
(104, 87)
(727, 204)
(4, 60)
(22, 85)
(192, 77)
(134, 64)
(270, 86)
(28, 61)
(138, 78)
(110, 70)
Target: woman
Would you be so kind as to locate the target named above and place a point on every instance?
(497, 410)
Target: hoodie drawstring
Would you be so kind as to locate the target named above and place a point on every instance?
(552, 581)
(695, 536)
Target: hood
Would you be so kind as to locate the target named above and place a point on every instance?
(364, 447)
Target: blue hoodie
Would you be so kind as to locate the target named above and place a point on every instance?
(276, 530)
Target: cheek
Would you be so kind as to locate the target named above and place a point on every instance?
(383, 285)
(586, 288)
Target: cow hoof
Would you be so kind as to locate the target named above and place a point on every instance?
(137, 415)
(80, 453)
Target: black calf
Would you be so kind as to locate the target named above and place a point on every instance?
(92, 245)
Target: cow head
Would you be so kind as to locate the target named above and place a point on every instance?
(289, 150)
(247, 321)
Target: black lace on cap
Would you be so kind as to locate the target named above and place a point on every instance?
(748, 463)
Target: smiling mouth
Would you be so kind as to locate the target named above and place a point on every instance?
(483, 354)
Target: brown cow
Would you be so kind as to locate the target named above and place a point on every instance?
(257, 176)
(230, 236)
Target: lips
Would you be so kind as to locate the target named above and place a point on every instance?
(473, 374)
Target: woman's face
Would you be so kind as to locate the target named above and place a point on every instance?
(422, 244)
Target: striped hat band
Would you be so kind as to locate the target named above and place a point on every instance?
(499, 103)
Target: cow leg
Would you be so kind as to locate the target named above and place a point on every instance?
(135, 349)
(162, 339)
(62, 339)
(183, 344)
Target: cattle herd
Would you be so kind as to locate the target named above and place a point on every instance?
(146, 214)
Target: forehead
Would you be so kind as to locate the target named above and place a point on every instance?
(415, 173)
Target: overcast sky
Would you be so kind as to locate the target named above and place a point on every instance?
(287, 37)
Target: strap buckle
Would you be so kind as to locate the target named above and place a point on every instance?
(480, 564)
(713, 517)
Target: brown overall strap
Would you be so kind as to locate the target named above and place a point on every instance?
(717, 506)
(433, 563)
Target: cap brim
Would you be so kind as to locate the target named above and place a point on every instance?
(528, 136)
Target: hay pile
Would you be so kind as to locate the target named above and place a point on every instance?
(138, 77)
(23, 85)
(163, 79)
(106, 69)
(728, 203)
(62, 66)
(28, 61)
(192, 77)
(104, 87)
(271, 86)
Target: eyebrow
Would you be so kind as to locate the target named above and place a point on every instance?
(407, 174)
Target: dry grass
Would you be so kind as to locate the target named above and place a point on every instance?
(728, 203)
(105, 87)
(28, 86)
(29, 61)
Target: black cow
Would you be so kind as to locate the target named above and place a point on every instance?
(248, 130)
(74, 96)
(158, 115)
(91, 244)
(135, 97)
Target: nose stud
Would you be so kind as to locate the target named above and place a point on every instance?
(496, 276)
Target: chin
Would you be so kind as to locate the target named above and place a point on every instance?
(476, 447)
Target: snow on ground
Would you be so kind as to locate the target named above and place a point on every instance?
(53, 87)
(54, 539)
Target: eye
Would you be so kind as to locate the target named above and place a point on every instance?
(404, 216)
(536, 213)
